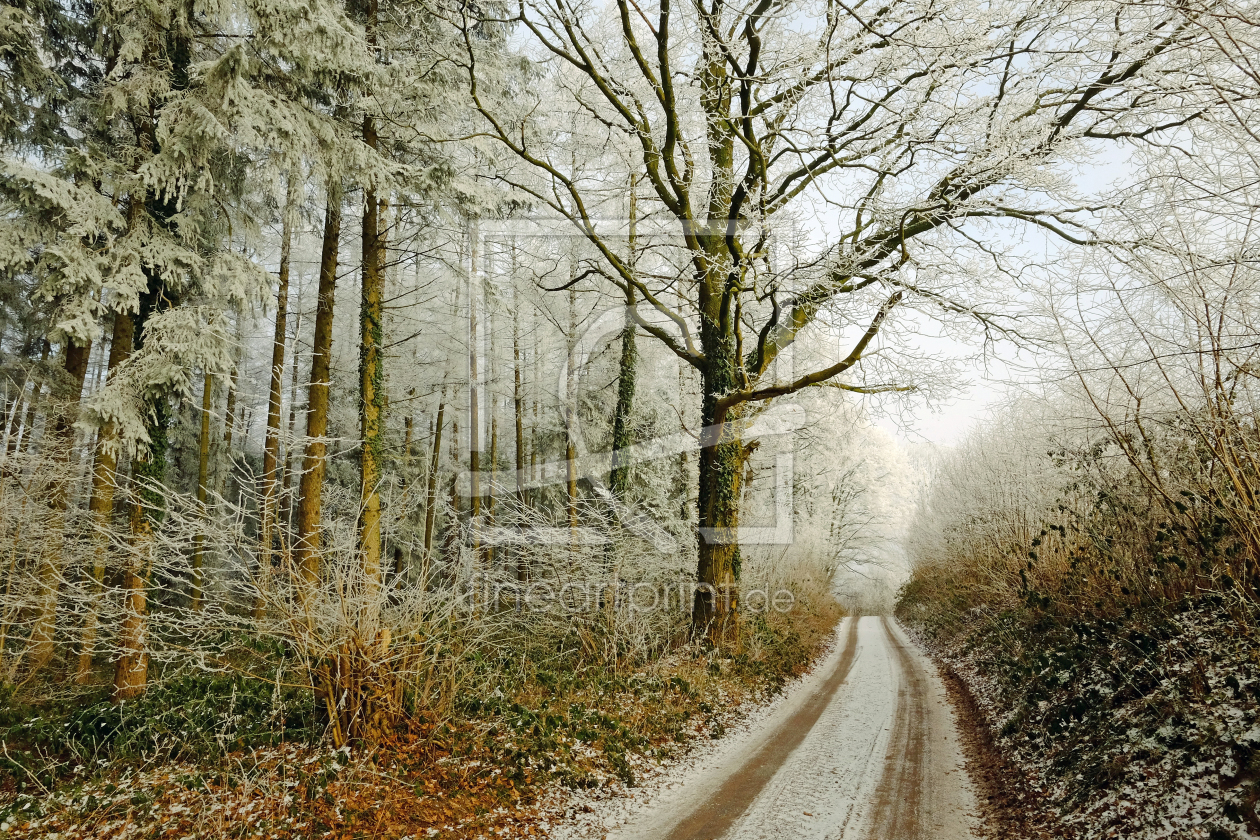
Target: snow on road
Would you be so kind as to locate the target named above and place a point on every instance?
(863, 749)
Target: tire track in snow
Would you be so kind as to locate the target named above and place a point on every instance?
(716, 815)
(899, 799)
(824, 788)
(869, 753)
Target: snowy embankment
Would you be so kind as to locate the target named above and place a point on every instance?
(1145, 727)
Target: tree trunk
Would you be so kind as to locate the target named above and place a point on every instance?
(619, 478)
(371, 386)
(409, 423)
(474, 387)
(492, 469)
(203, 480)
(286, 465)
(25, 428)
(571, 488)
(101, 502)
(148, 470)
(275, 394)
(430, 504)
(307, 540)
(229, 423)
(518, 394)
(722, 458)
(450, 538)
(570, 410)
(229, 412)
(518, 407)
(41, 646)
(401, 557)
(131, 672)
(17, 416)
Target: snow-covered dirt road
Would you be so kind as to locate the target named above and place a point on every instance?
(863, 748)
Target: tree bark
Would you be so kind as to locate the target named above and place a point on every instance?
(401, 556)
(518, 406)
(307, 540)
(722, 458)
(493, 467)
(17, 417)
(203, 480)
(26, 431)
(286, 465)
(619, 478)
(570, 410)
(229, 412)
(450, 538)
(41, 645)
(148, 470)
(431, 492)
(371, 385)
(474, 387)
(131, 671)
(101, 502)
(275, 395)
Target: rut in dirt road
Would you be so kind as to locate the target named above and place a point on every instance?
(867, 752)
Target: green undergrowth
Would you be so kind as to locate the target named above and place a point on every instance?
(185, 715)
(584, 722)
(536, 711)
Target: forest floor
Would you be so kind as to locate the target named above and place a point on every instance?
(508, 764)
(866, 746)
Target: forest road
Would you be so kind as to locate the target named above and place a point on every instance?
(865, 750)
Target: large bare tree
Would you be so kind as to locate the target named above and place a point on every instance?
(911, 130)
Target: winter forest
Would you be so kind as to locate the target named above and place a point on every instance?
(419, 415)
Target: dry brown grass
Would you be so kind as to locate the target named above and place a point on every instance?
(480, 769)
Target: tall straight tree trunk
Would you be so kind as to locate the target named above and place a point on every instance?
(621, 438)
(148, 471)
(474, 387)
(17, 416)
(307, 540)
(25, 429)
(229, 418)
(229, 412)
(203, 481)
(620, 475)
(371, 383)
(431, 492)
(271, 446)
(570, 409)
(101, 502)
(492, 471)
(286, 465)
(685, 509)
(450, 538)
(518, 411)
(402, 556)
(41, 645)
(13, 414)
(131, 671)
(518, 407)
